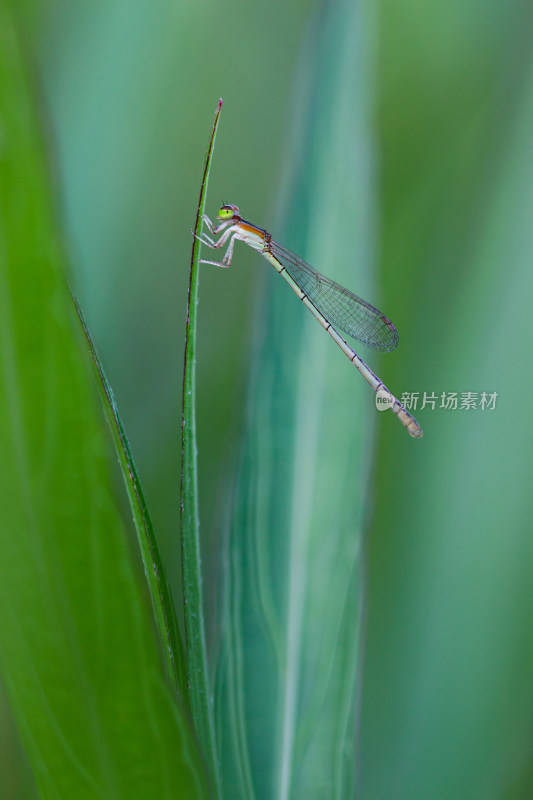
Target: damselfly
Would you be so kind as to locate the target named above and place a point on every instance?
(335, 307)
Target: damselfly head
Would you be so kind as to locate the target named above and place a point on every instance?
(228, 212)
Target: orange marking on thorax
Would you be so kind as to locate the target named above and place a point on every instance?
(246, 226)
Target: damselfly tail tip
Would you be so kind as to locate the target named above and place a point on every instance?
(415, 430)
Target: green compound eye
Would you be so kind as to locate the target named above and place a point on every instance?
(227, 212)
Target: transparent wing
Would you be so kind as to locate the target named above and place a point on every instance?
(342, 308)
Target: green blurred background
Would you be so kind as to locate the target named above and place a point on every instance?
(128, 89)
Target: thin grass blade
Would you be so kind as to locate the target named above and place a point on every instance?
(160, 593)
(197, 671)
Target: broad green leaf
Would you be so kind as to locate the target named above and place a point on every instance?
(78, 654)
(447, 711)
(289, 661)
(17, 782)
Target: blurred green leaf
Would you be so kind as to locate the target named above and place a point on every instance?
(17, 782)
(289, 660)
(78, 655)
(448, 690)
